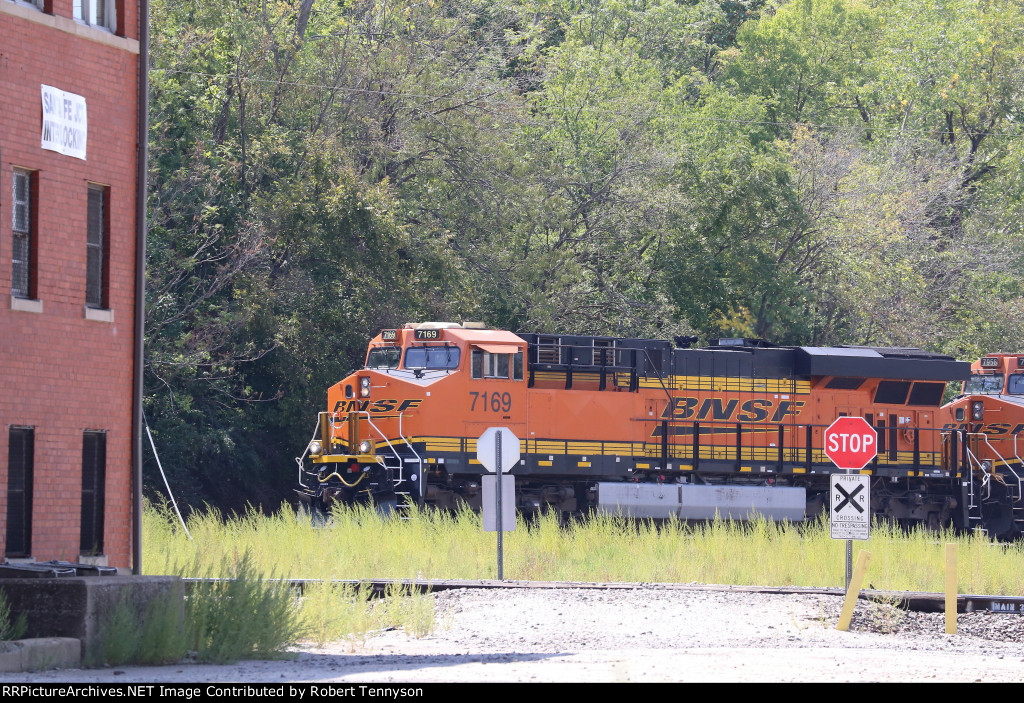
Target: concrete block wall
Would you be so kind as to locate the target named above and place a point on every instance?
(81, 607)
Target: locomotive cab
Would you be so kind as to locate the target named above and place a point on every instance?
(989, 398)
(369, 446)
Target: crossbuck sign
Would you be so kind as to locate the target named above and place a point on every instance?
(850, 499)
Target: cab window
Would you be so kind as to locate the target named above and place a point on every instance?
(984, 384)
(383, 358)
(1016, 384)
(488, 365)
(432, 357)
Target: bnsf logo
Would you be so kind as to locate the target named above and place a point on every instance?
(994, 429)
(755, 410)
(376, 406)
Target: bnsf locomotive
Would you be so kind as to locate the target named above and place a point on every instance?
(989, 416)
(649, 428)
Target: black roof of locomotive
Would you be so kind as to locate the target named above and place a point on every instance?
(759, 359)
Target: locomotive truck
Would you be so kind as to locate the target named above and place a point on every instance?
(650, 428)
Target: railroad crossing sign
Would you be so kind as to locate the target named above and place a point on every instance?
(850, 442)
(850, 500)
(487, 451)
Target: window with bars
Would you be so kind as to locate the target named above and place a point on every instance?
(604, 352)
(20, 457)
(96, 248)
(99, 13)
(94, 476)
(22, 229)
(548, 350)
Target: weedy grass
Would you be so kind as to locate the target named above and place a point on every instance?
(11, 627)
(332, 612)
(163, 637)
(134, 634)
(402, 607)
(241, 615)
(119, 636)
(355, 544)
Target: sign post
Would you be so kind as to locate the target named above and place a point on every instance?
(850, 442)
(498, 450)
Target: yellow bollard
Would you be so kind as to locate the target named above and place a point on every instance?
(950, 589)
(856, 579)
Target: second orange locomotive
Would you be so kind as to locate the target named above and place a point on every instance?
(989, 417)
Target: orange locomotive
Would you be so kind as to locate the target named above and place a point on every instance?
(989, 417)
(642, 427)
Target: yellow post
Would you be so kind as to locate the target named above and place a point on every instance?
(853, 591)
(950, 589)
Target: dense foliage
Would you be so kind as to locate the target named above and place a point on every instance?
(810, 171)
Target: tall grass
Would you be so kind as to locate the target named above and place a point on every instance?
(12, 626)
(359, 544)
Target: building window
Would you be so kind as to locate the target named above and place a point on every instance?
(99, 13)
(23, 228)
(20, 452)
(38, 4)
(94, 476)
(96, 275)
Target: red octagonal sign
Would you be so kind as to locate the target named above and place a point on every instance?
(851, 442)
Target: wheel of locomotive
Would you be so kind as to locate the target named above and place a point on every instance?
(314, 511)
(386, 504)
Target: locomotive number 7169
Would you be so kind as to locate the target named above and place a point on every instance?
(493, 402)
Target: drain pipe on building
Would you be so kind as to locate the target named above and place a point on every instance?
(141, 197)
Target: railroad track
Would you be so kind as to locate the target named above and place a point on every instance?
(916, 601)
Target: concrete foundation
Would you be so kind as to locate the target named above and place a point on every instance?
(40, 654)
(80, 607)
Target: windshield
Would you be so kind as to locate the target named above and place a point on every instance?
(984, 384)
(1016, 384)
(442, 357)
(383, 358)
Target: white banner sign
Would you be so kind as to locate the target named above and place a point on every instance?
(65, 126)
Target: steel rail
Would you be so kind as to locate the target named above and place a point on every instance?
(911, 600)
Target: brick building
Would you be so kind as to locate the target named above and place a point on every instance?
(71, 247)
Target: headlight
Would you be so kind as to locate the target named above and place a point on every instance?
(976, 410)
(364, 447)
(315, 447)
(364, 386)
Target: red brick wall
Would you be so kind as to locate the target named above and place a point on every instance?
(60, 372)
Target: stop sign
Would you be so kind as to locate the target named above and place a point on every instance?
(850, 442)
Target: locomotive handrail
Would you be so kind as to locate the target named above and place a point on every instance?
(535, 362)
(976, 464)
(419, 459)
(369, 420)
(800, 453)
(300, 459)
(985, 438)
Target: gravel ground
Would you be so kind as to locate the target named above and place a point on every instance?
(647, 634)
